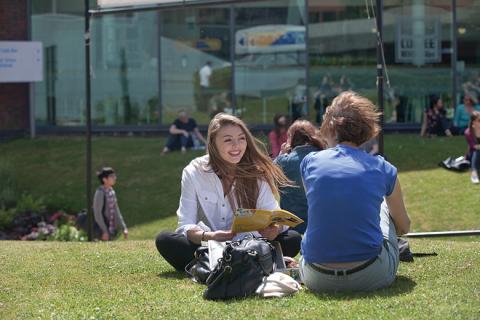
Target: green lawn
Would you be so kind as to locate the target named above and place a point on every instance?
(149, 185)
(128, 279)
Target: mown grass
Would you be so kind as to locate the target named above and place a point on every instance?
(148, 185)
(129, 280)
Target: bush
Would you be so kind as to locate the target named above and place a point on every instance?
(8, 185)
(67, 232)
(27, 203)
(6, 218)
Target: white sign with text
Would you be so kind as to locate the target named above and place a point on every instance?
(21, 61)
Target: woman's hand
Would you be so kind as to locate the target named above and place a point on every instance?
(220, 235)
(271, 232)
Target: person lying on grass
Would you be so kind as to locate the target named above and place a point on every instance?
(355, 205)
(234, 174)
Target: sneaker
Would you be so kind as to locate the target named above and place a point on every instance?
(183, 150)
(474, 178)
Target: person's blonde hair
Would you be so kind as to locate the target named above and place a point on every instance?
(254, 165)
(351, 118)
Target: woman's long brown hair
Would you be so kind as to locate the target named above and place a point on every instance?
(303, 132)
(255, 164)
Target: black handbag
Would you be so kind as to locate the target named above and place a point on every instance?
(241, 269)
(199, 268)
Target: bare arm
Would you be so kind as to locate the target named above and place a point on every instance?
(199, 136)
(424, 125)
(174, 130)
(197, 235)
(397, 209)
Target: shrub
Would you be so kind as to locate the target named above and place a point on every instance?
(8, 187)
(27, 203)
(6, 218)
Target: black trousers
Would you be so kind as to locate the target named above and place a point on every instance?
(178, 250)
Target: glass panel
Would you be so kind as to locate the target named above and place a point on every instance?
(60, 97)
(270, 59)
(125, 69)
(468, 65)
(191, 38)
(417, 52)
(342, 52)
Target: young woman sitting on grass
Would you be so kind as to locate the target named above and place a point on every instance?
(302, 138)
(472, 135)
(234, 174)
(355, 205)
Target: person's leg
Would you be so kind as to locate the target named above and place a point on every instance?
(173, 143)
(475, 163)
(177, 250)
(290, 242)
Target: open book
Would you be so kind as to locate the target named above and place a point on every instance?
(246, 220)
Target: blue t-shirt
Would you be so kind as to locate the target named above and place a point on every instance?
(345, 188)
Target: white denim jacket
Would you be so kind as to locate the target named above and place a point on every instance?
(203, 204)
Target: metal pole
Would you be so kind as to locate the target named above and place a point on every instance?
(453, 57)
(307, 57)
(442, 234)
(31, 85)
(159, 68)
(379, 21)
(88, 144)
(233, 95)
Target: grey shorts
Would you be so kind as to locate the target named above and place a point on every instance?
(381, 273)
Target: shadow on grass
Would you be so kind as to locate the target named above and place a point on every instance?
(172, 274)
(401, 285)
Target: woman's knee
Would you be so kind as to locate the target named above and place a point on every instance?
(163, 239)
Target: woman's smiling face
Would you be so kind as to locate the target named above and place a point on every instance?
(231, 143)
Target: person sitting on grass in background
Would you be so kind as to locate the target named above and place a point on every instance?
(235, 173)
(302, 138)
(107, 214)
(463, 113)
(278, 136)
(435, 122)
(355, 205)
(472, 135)
(183, 134)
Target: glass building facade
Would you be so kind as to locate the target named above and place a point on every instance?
(267, 57)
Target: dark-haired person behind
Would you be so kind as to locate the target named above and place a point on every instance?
(108, 218)
(302, 138)
(435, 122)
(355, 205)
(278, 136)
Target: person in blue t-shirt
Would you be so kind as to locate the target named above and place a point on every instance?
(355, 205)
(183, 134)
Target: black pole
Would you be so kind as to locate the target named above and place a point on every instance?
(442, 234)
(379, 24)
(453, 57)
(88, 144)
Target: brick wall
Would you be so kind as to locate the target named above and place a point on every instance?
(14, 97)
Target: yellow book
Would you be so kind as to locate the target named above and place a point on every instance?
(246, 220)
